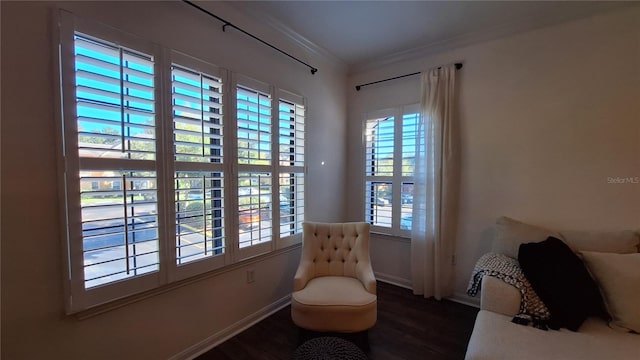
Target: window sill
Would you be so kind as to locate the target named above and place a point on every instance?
(389, 237)
(116, 304)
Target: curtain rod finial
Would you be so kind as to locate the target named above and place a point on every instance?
(314, 71)
(458, 66)
(357, 87)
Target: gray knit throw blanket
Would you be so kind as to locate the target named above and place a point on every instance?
(532, 309)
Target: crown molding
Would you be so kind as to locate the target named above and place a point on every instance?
(301, 41)
(503, 30)
(289, 34)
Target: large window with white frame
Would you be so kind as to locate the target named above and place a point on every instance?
(151, 195)
(389, 160)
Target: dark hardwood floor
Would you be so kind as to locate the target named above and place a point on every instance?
(408, 327)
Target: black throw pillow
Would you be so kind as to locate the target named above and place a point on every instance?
(562, 282)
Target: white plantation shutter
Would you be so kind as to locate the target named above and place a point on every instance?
(390, 146)
(254, 126)
(291, 203)
(409, 136)
(198, 176)
(254, 208)
(291, 133)
(197, 116)
(119, 225)
(199, 215)
(115, 120)
(379, 147)
(291, 139)
(256, 169)
(379, 161)
(115, 101)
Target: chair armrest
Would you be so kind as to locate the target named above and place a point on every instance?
(303, 275)
(366, 277)
(499, 297)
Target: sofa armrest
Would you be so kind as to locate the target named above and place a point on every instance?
(499, 297)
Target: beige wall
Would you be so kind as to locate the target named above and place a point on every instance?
(546, 117)
(33, 322)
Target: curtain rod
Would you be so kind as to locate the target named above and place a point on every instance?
(227, 23)
(458, 67)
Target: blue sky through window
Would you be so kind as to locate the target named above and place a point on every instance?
(100, 91)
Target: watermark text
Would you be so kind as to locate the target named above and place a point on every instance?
(623, 180)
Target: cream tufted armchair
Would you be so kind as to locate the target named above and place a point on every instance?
(334, 287)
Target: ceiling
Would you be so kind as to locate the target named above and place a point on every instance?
(361, 32)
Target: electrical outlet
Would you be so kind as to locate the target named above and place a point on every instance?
(250, 276)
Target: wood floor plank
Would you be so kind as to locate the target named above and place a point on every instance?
(408, 327)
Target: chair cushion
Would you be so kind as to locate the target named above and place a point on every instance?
(334, 303)
(334, 290)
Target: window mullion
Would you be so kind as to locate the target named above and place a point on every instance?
(166, 167)
(275, 165)
(397, 171)
(231, 192)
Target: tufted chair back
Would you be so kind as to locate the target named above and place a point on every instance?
(336, 249)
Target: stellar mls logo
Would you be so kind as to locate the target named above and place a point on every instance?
(623, 180)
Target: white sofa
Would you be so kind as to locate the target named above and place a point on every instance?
(496, 337)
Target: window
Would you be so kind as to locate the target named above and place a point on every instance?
(151, 195)
(291, 115)
(198, 140)
(270, 174)
(389, 160)
(255, 166)
(116, 158)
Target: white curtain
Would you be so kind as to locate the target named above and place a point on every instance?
(435, 186)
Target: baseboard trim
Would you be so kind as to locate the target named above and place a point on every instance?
(464, 299)
(460, 298)
(393, 280)
(231, 331)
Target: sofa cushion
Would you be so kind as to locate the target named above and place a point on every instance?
(511, 233)
(495, 337)
(621, 242)
(618, 276)
(563, 283)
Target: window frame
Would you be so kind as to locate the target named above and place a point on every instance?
(183, 271)
(78, 298)
(289, 169)
(239, 80)
(397, 178)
